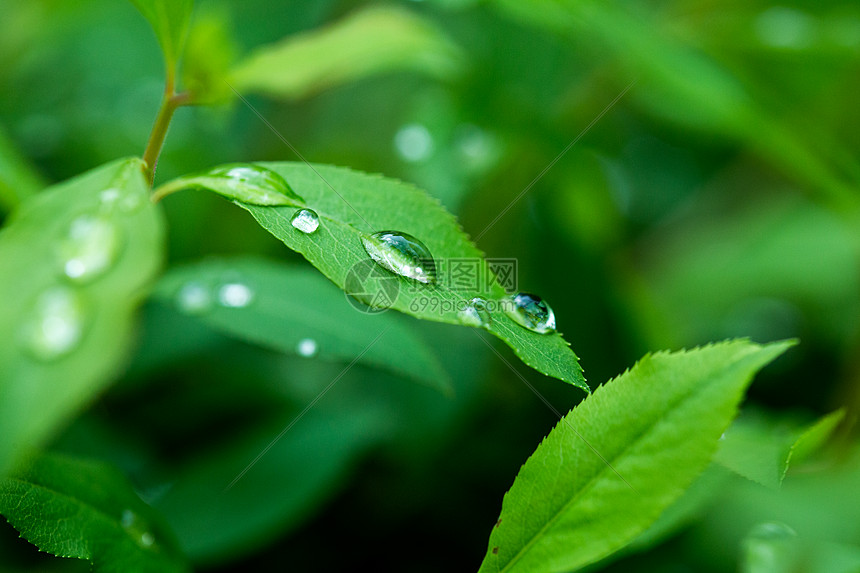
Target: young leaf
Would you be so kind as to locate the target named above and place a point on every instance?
(209, 52)
(295, 310)
(369, 42)
(351, 205)
(621, 457)
(88, 510)
(169, 19)
(75, 259)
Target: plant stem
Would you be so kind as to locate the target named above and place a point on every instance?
(169, 103)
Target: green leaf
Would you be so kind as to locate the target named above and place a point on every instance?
(292, 306)
(76, 259)
(351, 205)
(656, 425)
(771, 547)
(209, 53)
(761, 450)
(18, 179)
(368, 42)
(88, 510)
(169, 19)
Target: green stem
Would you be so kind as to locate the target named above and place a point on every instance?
(168, 189)
(169, 104)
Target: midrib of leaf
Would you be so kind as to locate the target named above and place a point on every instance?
(593, 480)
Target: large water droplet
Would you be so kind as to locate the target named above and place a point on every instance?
(475, 313)
(57, 325)
(305, 220)
(307, 347)
(402, 254)
(254, 184)
(194, 298)
(90, 248)
(235, 295)
(531, 312)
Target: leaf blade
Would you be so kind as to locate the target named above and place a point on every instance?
(658, 449)
(293, 304)
(169, 20)
(38, 392)
(368, 42)
(87, 510)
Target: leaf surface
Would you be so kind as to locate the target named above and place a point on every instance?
(621, 457)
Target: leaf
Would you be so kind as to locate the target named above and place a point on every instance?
(657, 425)
(88, 510)
(771, 547)
(18, 179)
(76, 259)
(169, 19)
(209, 52)
(218, 509)
(368, 42)
(293, 305)
(351, 205)
(761, 450)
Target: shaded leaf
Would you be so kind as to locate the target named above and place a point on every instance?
(88, 510)
(296, 310)
(76, 258)
(169, 19)
(372, 41)
(351, 205)
(657, 425)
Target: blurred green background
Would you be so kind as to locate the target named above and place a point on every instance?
(719, 197)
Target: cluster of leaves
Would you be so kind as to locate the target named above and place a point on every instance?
(631, 464)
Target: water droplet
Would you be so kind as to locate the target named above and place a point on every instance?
(305, 221)
(135, 528)
(475, 313)
(128, 518)
(109, 197)
(131, 202)
(90, 248)
(253, 184)
(235, 295)
(147, 539)
(530, 311)
(194, 298)
(402, 254)
(307, 347)
(58, 324)
(413, 142)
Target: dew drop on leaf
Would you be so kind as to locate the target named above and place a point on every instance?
(255, 184)
(235, 295)
(90, 248)
(475, 313)
(194, 298)
(57, 325)
(530, 311)
(402, 254)
(306, 221)
(307, 347)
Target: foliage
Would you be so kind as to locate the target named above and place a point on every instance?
(178, 390)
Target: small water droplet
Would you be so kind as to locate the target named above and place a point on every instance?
(109, 197)
(194, 298)
(306, 221)
(254, 184)
(131, 202)
(235, 295)
(147, 539)
(90, 248)
(307, 347)
(127, 518)
(402, 254)
(57, 325)
(530, 311)
(475, 313)
(413, 142)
